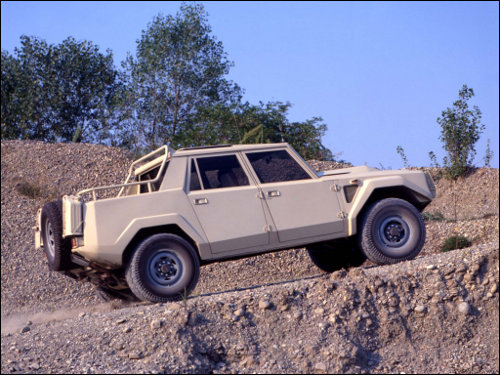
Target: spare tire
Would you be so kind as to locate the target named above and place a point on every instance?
(56, 248)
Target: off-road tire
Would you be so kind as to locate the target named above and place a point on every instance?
(392, 230)
(56, 248)
(334, 255)
(163, 267)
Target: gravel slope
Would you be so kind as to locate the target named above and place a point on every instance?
(271, 313)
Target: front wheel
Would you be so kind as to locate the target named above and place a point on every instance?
(164, 267)
(392, 230)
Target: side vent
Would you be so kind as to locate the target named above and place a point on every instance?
(350, 192)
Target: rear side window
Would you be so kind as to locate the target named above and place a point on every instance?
(221, 171)
(276, 166)
(151, 175)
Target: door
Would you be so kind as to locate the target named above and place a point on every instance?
(226, 204)
(301, 205)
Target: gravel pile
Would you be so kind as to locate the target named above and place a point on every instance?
(274, 313)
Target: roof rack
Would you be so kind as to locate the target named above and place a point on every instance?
(202, 147)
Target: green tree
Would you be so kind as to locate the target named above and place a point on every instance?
(263, 123)
(179, 69)
(10, 121)
(460, 130)
(86, 81)
(57, 92)
(27, 91)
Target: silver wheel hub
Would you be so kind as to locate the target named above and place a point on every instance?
(49, 236)
(394, 231)
(165, 268)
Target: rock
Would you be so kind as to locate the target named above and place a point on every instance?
(34, 366)
(469, 277)
(183, 318)
(174, 306)
(239, 312)
(420, 309)
(135, 355)
(156, 324)
(464, 308)
(319, 311)
(265, 304)
(493, 288)
(320, 366)
(25, 329)
(475, 268)
(247, 361)
(430, 267)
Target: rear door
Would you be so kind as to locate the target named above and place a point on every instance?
(301, 205)
(227, 203)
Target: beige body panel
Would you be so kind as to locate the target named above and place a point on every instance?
(110, 224)
(233, 218)
(414, 181)
(303, 209)
(231, 221)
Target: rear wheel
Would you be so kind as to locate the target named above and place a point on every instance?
(392, 230)
(57, 250)
(164, 267)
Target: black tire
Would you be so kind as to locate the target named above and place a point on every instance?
(57, 250)
(164, 267)
(335, 255)
(392, 230)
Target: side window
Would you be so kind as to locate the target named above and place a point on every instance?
(276, 166)
(151, 175)
(194, 180)
(221, 171)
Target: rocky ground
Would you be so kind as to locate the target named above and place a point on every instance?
(274, 313)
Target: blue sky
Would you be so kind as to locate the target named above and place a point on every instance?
(378, 73)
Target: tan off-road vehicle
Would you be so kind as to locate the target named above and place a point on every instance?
(179, 209)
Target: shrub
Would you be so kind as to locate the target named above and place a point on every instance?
(35, 190)
(460, 130)
(455, 242)
(438, 216)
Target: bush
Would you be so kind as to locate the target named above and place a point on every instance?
(438, 216)
(35, 190)
(455, 242)
(460, 130)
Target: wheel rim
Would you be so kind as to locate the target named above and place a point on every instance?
(165, 268)
(394, 232)
(50, 239)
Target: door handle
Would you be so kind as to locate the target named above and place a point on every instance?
(273, 193)
(201, 201)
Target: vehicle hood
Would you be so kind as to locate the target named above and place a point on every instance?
(351, 170)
